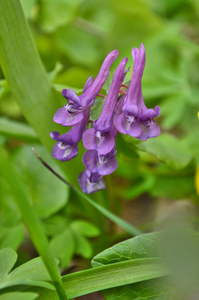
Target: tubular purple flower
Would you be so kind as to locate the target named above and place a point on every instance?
(105, 120)
(136, 119)
(91, 182)
(103, 143)
(102, 136)
(102, 164)
(71, 113)
(66, 148)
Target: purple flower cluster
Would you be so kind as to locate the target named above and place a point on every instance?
(128, 115)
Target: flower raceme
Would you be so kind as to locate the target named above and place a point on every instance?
(127, 114)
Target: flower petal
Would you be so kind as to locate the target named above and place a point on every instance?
(62, 116)
(119, 123)
(89, 140)
(149, 131)
(90, 187)
(95, 140)
(109, 167)
(90, 160)
(105, 120)
(71, 96)
(106, 143)
(88, 83)
(64, 152)
(135, 129)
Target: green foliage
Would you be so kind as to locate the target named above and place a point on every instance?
(31, 273)
(46, 200)
(169, 150)
(18, 296)
(72, 38)
(72, 239)
(144, 246)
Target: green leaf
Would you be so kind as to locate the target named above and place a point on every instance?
(32, 222)
(17, 130)
(85, 228)
(169, 150)
(11, 236)
(97, 108)
(170, 106)
(8, 258)
(46, 200)
(53, 74)
(83, 246)
(78, 45)
(146, 245)
(18, 296)
(174, 186)
(54, 14)
(138, 188)
(142, 246)
(145, 290)
(31, 273)
(63, 246)
(28, 81)
(109, 276)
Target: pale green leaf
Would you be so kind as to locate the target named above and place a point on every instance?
(63, 247)
(168, 149)
(85, 228)
(46, 192)
(31, 273)
(17, 130)
(18, 296)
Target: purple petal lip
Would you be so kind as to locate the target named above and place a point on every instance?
(65, 138)
(125, 126)
(103, 164)
(149, 131)
(102, 142)
(90, 187)
(62, 116)
(64, 152)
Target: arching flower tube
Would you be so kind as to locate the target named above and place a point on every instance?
(72, 113)
(136, 119)
(102, 136)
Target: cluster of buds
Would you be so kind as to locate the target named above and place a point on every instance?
(123, 112)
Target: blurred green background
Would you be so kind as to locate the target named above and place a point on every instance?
(155, 180)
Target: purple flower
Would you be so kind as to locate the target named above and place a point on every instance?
(91, 182)
(102, 136)
(136, 119)
(72, 113)
(102, 164)
(128, 115)
(66, 148)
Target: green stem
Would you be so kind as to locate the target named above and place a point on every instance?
(128, 227)
(123, 224)
(33, 225)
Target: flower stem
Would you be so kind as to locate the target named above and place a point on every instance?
(125, 225)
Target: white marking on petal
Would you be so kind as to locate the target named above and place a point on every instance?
(67, 152)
